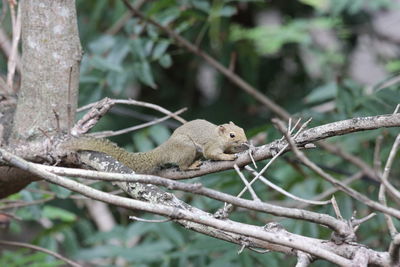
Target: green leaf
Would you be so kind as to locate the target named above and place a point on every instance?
(18, 258)
(168, 15)
(393, 65)
(160, 49)
(117, 81)
(150, 252)
(322, 93)
(201, 5)
(317, 4)
(140, 228)
(119, 52)
(102, 44)
(53, 213)
(84, 229)
(134, 27)
(70, 243)
(348, 97)
(117, 232)
(137, 48)
(170, 232)
(227, 11)
(144, 74)
(105, 64)
(165, 61)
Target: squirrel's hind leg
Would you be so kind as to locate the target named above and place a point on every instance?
(184, 152)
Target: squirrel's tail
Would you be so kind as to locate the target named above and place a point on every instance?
(141, 162)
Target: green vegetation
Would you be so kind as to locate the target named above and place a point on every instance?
(284, 60)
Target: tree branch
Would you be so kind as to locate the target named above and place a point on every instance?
(329, 221)
(351, 192)
(280, 237)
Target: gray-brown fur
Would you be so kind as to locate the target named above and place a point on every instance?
(188, 142)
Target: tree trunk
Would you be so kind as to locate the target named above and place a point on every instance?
(47, 99)
(51, 52)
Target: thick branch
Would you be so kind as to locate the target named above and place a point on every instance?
(339, 226)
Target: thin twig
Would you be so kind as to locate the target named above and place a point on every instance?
(118, 25)
(25, 204)
(11, 215)
(263, 251)
(284, 192)
(138, 103)
(377, 153)
(3, 11)
(250, 153)
(303, 259)
(330, 191)
(356, 222)
(44, 250)
(149, 221)
(70, 118)
(274, 158)
(57, 117)
(6, 47)
(392, 155)
(396, 110)
(246, 183)
(385, 185)
(16, 26)
(336, 208)
(136, 127)
(264, 169)
(351, 192)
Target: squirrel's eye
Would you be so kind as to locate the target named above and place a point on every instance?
(232, 135)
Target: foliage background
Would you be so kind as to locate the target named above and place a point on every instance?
(305, 55)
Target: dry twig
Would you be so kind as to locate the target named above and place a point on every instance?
(136, 127)
(286, 193)
(12, 60)
(248, 186)
(44, 250)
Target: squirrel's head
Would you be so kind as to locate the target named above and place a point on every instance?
(234, 137)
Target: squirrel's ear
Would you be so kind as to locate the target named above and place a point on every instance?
(231, 123)
(221, 129)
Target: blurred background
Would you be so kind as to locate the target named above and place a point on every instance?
(325, 59)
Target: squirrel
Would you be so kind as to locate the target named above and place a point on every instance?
(186, 144)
